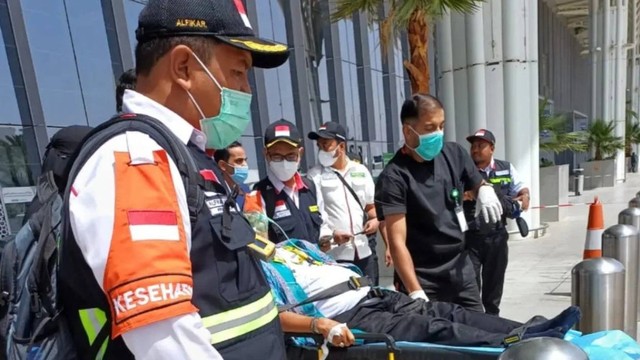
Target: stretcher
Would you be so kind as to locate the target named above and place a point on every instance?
(384, 347)
(603, 345)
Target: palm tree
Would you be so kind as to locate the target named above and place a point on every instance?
(601, 138)
(558, 138)
(414, 16)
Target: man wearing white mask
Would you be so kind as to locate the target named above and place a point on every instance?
(288, 199)
(348, 190)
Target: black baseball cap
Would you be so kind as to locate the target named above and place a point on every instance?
(282, 130)
(330, 130)
(225, 20)
(482, 134)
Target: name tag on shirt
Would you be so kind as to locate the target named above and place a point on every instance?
(216, 204)
(462, 221)
(502, 172)
(357, 175)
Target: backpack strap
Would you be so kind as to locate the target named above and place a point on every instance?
(122, 123)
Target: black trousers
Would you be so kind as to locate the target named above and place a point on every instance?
(489, 254)
(437, 322)
(457, 285)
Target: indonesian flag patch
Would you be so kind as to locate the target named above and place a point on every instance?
(280, 206)
(243, 13)
(480, 133)
(153, 225)
(283, 131)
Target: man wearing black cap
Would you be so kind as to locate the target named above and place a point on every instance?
(147, 275)
(287, 198)
(347, 190)
(487, 244)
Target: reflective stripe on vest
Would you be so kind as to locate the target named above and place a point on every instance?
(93, 320)
(500, 180)
(237, 322)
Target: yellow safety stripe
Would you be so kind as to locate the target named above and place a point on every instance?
(242, 320)
(92, 321)
(499, 180)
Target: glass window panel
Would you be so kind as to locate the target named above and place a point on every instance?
(375, 53)
(132, 10)
(347, 40)
(94, 61)
(8, 101)
(54, 62)
(15, 172)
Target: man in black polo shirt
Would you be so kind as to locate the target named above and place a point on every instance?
(419, 196)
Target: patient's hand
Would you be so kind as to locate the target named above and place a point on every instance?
(345, 337)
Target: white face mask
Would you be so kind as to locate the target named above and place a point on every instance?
(327, 158)
(284, 170)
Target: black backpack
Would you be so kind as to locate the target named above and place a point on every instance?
(32, 322)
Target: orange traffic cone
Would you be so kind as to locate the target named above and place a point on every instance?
(595, 228)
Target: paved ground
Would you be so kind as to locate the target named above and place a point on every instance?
(538, 280)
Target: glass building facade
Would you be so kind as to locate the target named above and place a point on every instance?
(59, 60)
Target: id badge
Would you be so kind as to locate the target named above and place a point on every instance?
(462, 220)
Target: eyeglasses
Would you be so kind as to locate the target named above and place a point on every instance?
(281, 158)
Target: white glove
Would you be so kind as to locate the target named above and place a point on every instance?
(419, 294)
(487, 202)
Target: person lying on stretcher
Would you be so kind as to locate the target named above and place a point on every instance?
(300, 270)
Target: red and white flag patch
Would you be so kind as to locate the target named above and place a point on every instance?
(479, 133)
(243, 13)
(153, 225)
(283, 130)
(280, 206)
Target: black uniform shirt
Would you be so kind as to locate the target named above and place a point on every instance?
(422, 191)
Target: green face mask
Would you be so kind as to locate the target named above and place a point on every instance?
(233, 119)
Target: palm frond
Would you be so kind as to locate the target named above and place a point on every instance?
(346, 8)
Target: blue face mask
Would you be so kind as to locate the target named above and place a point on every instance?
(233, 119)
(240, 174)
(430, 144)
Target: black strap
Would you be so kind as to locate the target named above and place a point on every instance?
(354, 283)
(351, 191)
(121, 123)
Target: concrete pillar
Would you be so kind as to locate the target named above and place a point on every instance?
(620, 82)
(460, 77)
(534, 144)
(516, 33)
(494, 73)
(446, 92)
(607, 99)
(593, 48)
(476, 69)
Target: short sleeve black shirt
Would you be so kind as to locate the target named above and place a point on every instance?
(422, 191)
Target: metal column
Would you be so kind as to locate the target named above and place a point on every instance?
(365, 83)
(334, 69)
(24, 76)
(391, 90)
(300, 82)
